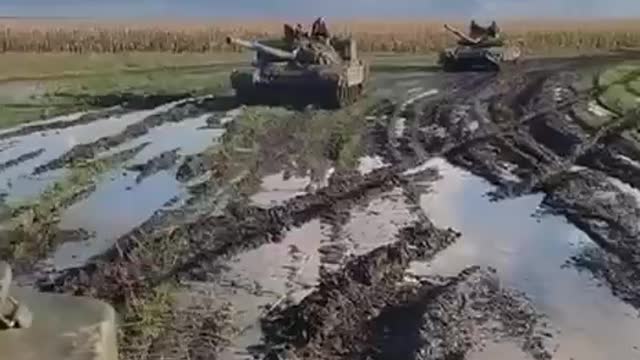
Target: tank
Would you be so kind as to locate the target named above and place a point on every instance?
(35, 325)
(328, 74)
(470, 55)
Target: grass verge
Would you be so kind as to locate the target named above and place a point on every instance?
(79, 82)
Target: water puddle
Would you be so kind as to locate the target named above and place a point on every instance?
(18, 181)
(497, 351)
(529, 255)
(275, 189)
(378, 223)
(117, 206)
(191, 136)
(56, 119)
(257, 280)
(369, 163)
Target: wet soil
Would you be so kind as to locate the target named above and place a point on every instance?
(178, 112)
(528, 138)
(525, 130)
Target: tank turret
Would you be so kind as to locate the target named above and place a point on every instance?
(462, 36)
(482, 50)
(300, 70)
(36, 325)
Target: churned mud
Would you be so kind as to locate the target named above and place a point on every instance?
(448, 216)
(173, 112)
(533, 252)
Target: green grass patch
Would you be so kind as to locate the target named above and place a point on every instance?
(619, 74)
(73, 82)
(619, 99)
(618, 88)
(26, 66)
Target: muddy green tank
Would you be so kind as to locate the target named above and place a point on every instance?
(328, 74)
(38, 326)
(469, 55)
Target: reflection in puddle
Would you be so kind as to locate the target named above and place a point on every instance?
(275, 189)
(112, 211)
(378, 223)
(369, 163)
(267, 276)
(18, 179)
(529, 256)
(289, 270)
(190, 135)
(56, 119)
(499, 351)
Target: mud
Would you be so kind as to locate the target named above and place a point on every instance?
(527, 130)
(179, 112)
(65, 122)
(369, 310)
(240, 227)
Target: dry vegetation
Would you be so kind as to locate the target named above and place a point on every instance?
(379, 36)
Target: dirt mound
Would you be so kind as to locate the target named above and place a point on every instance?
(81, 120)
(527, 131)
(356, 315)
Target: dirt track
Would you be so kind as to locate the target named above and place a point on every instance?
(329, 250)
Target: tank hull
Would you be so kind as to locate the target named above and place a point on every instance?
(467, 58)
(331, 87)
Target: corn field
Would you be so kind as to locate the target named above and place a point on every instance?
(373, 36)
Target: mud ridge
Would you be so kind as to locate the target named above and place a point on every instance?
(20, 159)
(180, 112)
(58, 125)
(344, 298)
(610, 217)
(162, 161)
(368, 310)
(198, 244)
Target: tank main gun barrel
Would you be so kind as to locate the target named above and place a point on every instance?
(460, 34)
(256, 46)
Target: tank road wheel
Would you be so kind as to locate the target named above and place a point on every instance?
(243, 97)
(449, 66)
(342, 96)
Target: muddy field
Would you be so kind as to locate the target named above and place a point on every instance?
(445, 216)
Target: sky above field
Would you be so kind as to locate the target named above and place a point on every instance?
(482, 9)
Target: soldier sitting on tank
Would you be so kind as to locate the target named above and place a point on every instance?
(300, 33)
(319, 30)
(483, 35)
(476, 31)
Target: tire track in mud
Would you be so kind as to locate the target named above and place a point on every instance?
(533, 142)
(20, 159)
(239, 228)
(351, 306)
(139, 260)
(180, 112)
